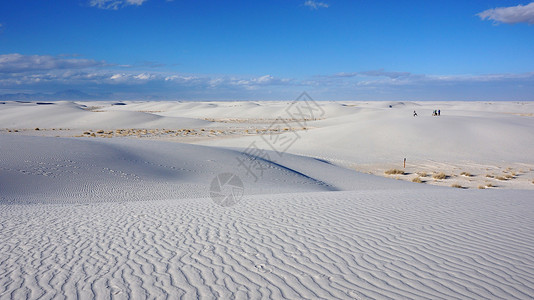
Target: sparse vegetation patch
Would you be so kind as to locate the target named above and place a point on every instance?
(417, 180)
(394, 172)
(439, 176)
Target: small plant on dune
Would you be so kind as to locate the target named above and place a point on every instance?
(490, 176)
(532, 181)
(422, 174)
(439, 176)
(489, 185)
(501, 178)
(466, 174)
(394, 172)
(457, 186)
(508, 176)
(417, 180)
(481, 187)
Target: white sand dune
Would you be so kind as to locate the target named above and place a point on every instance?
(44, 169)
(130, 217)
(438, 244)
(64, 114)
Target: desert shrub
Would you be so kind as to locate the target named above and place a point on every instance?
(501, 178)
(481, 187)
(417, 180)
(467, 174)
(457, 186)
(490, 176)
(508, 176)
(394, 172)
(422, 174)
(439, 176)
(489, 185)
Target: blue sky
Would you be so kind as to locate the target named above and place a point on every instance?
(269, 49)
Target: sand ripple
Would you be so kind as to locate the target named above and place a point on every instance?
(438, 244)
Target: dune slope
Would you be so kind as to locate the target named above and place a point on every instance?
(438, 244)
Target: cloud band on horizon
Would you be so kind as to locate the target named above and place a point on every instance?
(52, 74)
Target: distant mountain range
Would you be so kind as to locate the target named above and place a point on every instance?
(75, 95)
(63, 95)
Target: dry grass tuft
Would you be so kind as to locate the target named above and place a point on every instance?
(422, 174)
(466, 174)
(501, 178)
(417, 180)
(489, 185)
(439, 176)
(457, 186)
(481, 187)
(508, 176)
(394, 172)
(490, 176)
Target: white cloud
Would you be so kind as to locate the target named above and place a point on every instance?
(510, 15)
(115, 4)
(312, 4)
(381, 78)
(116, 77)
(375, 73)
(259, 81)
(144, 76)
(16, 63)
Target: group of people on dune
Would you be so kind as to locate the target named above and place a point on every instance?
(436, 112)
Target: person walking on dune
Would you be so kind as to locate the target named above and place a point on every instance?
(414, 114)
